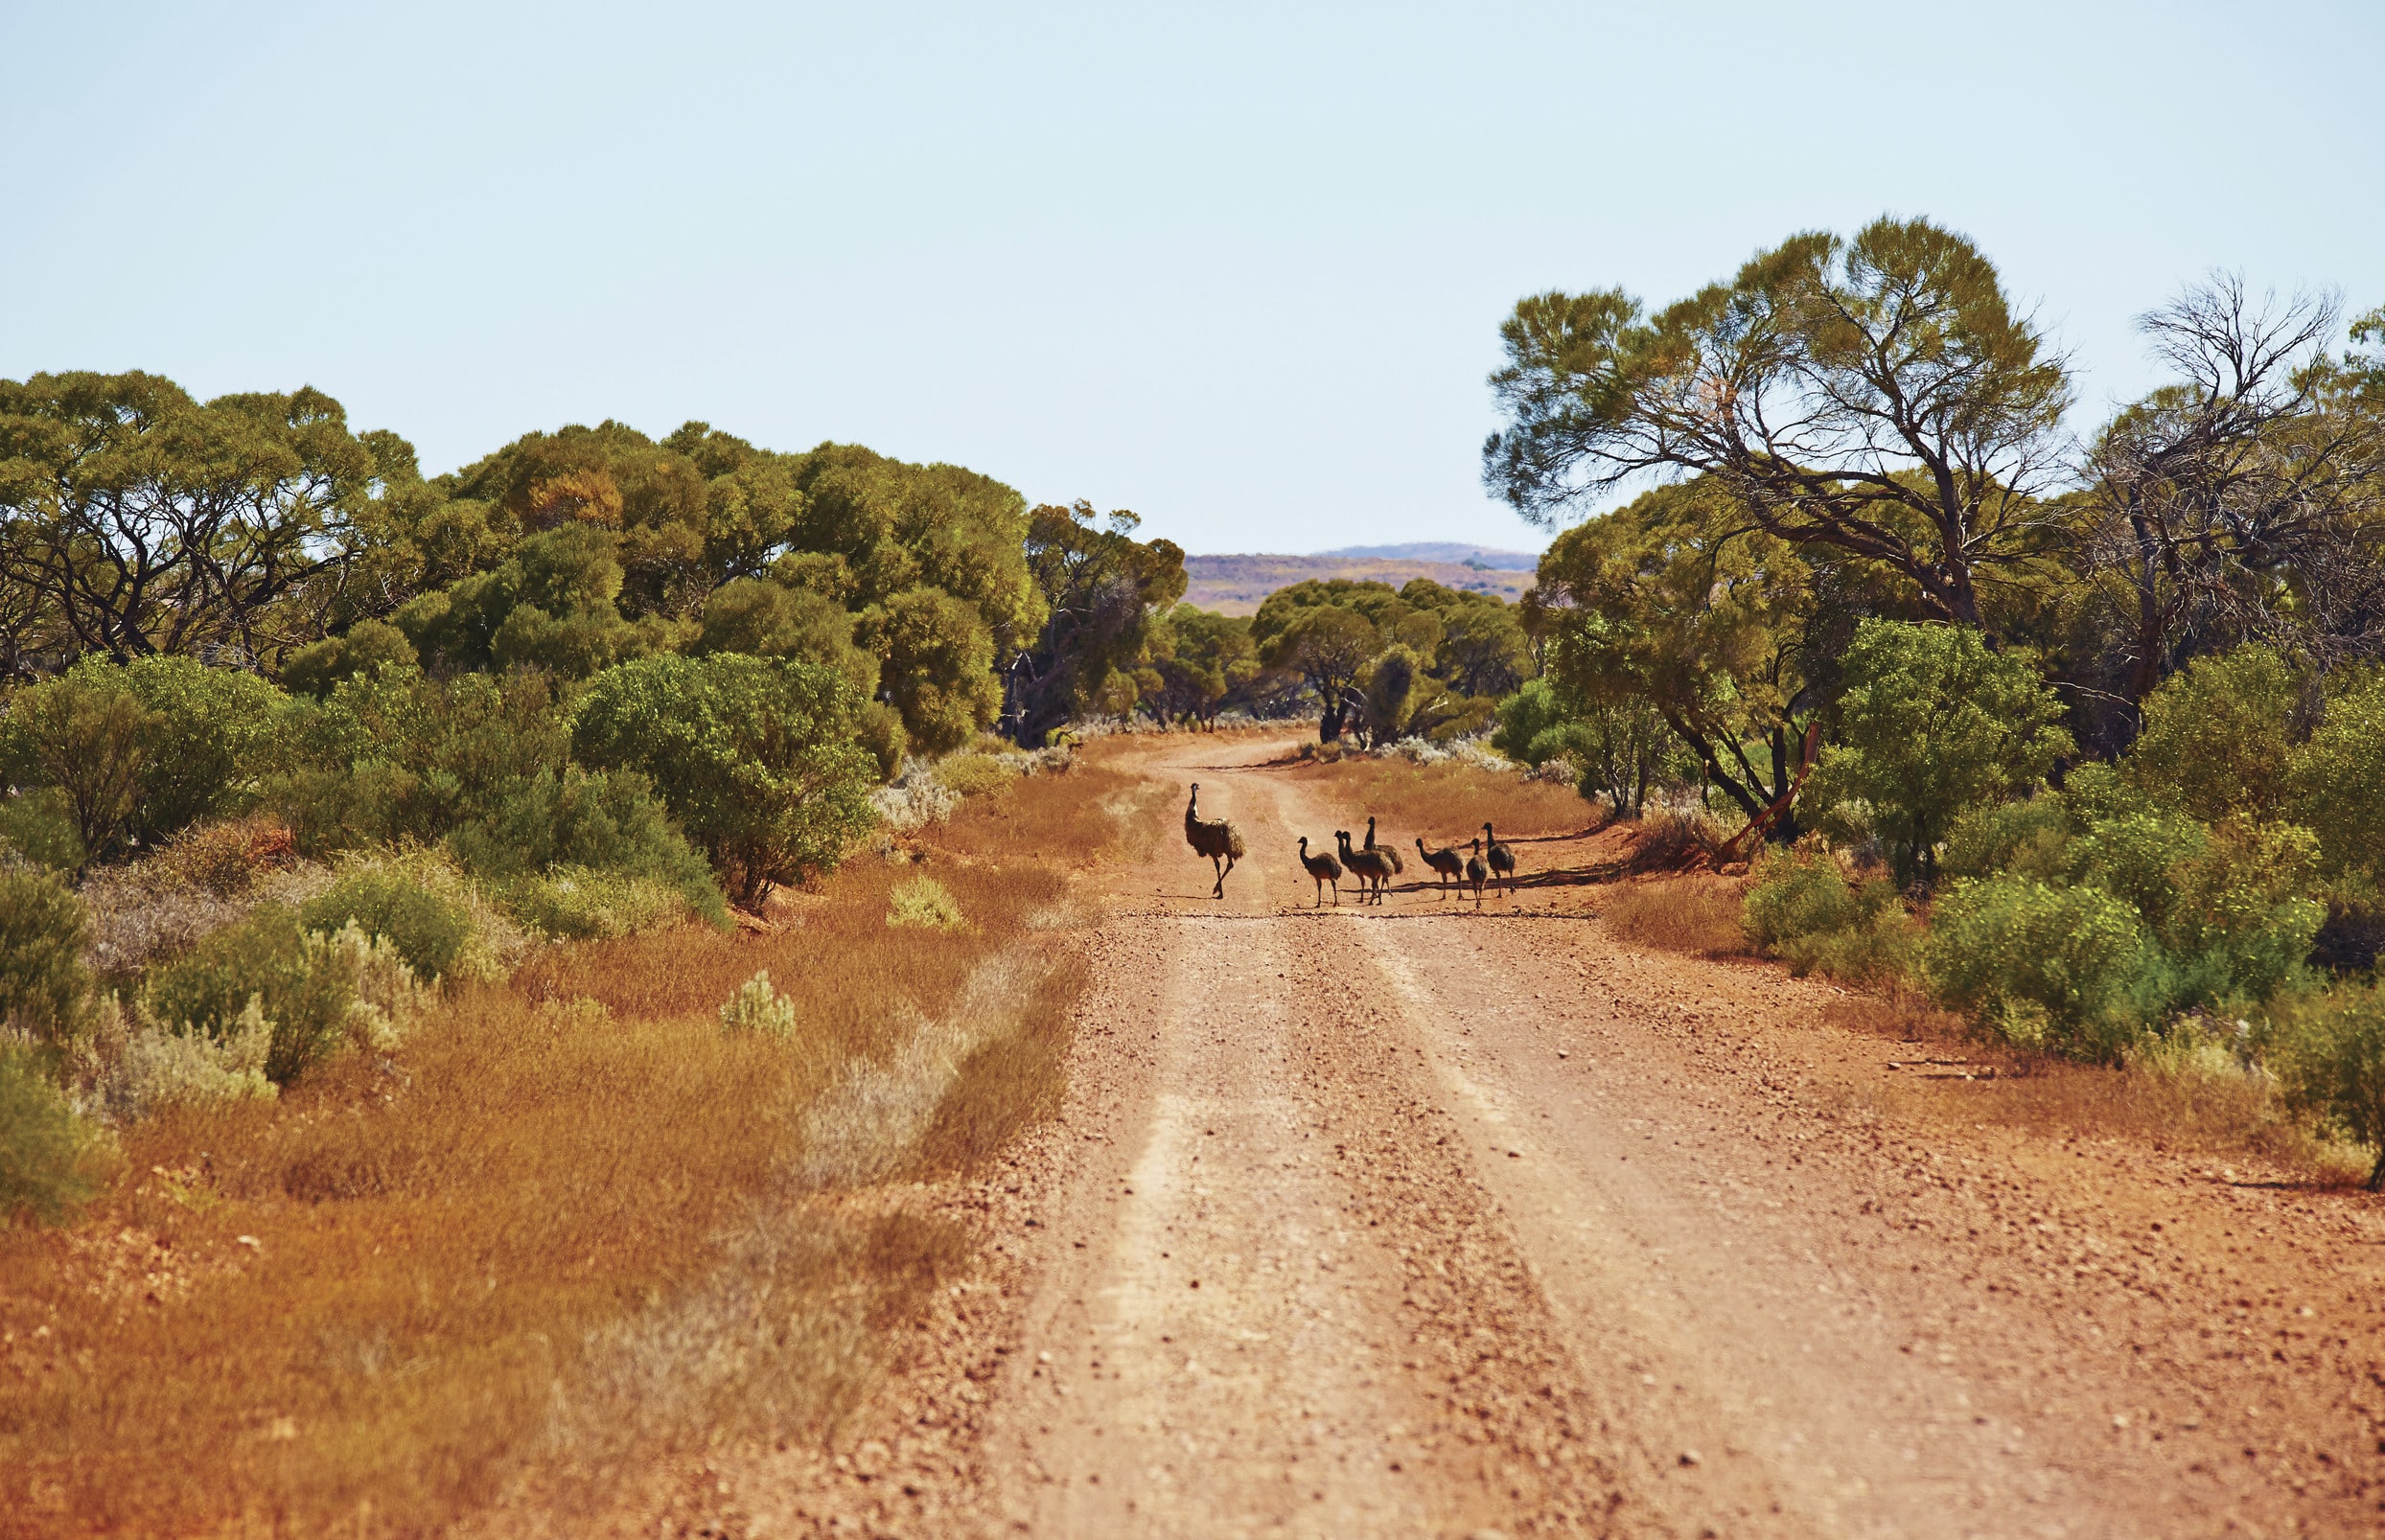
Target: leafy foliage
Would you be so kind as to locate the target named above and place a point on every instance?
(44, 929)
(1933, 724)
(52, 1163)
(757, 759)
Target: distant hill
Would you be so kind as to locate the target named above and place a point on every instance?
(1446, 551)
(1235, 584)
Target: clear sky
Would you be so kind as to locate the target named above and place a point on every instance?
(1239, 268)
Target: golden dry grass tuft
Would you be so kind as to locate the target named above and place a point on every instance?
(1449, 802)
(542, 1232)
(1695, 915)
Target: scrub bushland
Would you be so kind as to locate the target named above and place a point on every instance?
(538, 1236)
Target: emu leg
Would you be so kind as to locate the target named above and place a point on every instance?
(1219, 866)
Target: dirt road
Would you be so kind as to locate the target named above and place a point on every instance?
(1413, 1220)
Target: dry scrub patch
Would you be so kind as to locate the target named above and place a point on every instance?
(2181, 1101)
(1699, 916)
(569, 1217)
(1451, 801)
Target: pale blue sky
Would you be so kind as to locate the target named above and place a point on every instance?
(1237, 267)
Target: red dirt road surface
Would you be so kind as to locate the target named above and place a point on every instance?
(1420, 1220)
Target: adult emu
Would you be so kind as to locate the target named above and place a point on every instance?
(1447, 862)
(1502, 860)
(1324, 869)
(1215, 837)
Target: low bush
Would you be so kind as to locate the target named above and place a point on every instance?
(2329, 1051)
(975, 775)
(2061, 970)
(38, 825)
(924, 902)
(318, 991)
(418, 906)
(2026, 838)
(51, 1161)
(44, 929)
(588, 903)
(757, 1007)
(143, 1067)
(1803, 909)
(225, 856)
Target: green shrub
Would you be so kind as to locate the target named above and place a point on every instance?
(1802, 909)
(2215, 738)
(51, 1161)
(975, 775)
(369, 647)
(88, 736)
(44, 929)
(2328, 1053)
(1530, 724)
(2030, 838)
(878, 727)
(2338, 775)
(2065, 970)
(308, 992)
(1932, 725)
(2226, 906)
(757, 759)
(218, 733)
(38, 826)
(432, 929)
(923, 902)
(586, 904)
(757, 1007)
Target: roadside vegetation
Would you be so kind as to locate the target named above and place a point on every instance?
(532, 1232)
(2078, 744)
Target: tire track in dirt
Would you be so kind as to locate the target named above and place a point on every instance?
(1296, 1312)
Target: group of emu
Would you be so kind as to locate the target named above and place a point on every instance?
(1370, 864)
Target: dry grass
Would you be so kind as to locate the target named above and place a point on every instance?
(1695, 915)
(545, 1230)
(2198, 1103)
(1451, 801)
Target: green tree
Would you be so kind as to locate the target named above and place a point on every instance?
(757, 759)
(1876, 397)
(1933, 724)
(765, 618)
(1677, 603)
(938, 666)
(1100, 589)
(90, 737)
(150, 523)
(1203, 660)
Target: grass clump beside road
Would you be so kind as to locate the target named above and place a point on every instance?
(1450, 800)
(531, 1239)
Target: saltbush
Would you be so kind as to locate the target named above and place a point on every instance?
(144, 1066)
(426, 919)
(757, 1007)
(51, 1161)
(923, 902)
(2064, 970)
(44, 931)
(975, 775)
